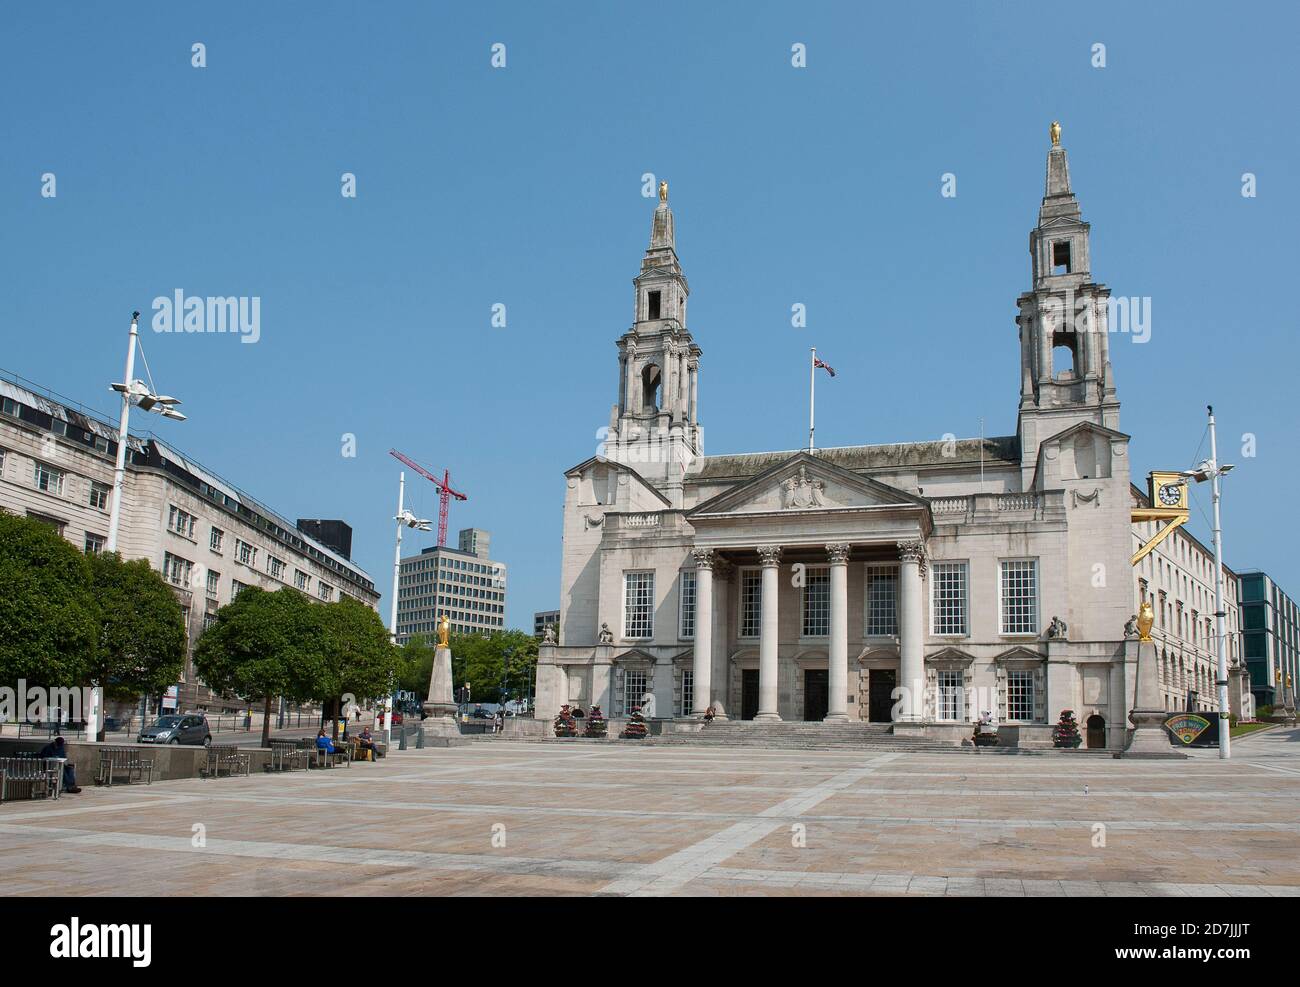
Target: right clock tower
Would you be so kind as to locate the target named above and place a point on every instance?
(1065, 371)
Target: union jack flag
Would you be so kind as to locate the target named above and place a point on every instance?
(817, 362)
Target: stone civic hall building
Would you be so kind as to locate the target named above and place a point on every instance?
(975, 574)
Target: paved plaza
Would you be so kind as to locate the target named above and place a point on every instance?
(513, 818)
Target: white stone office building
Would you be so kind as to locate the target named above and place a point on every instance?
(208, 538)
(979, 574)
(463, 582)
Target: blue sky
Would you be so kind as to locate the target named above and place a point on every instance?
(522, 186)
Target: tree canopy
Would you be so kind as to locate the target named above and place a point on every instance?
(354, 655)
(481, 661)
(48, 614)
(262, 645)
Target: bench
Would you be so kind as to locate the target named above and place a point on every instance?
(114, 761)
(358, 753)
(321, 758)
(286, 755)
(31, 777)
(226, 758)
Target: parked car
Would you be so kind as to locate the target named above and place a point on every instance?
(397, 719)
(184, 728)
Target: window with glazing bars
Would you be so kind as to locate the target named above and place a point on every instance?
(948, 597)
(751, 602)
(882, 600)
(638, 604)
(817, 603)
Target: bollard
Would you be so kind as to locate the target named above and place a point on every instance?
(401, 740)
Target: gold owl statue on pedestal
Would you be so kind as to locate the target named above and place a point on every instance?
(444, 629)
(1146, 617)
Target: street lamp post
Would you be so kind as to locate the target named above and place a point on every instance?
(138, 393)
(1211, 470)
(404, 519)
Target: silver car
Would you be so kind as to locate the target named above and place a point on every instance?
(181, 728)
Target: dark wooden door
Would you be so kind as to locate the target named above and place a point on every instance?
(880, 686)
(1096, 731)
(816, 693)
(748, 693)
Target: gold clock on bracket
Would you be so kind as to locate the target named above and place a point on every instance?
(1168, 491)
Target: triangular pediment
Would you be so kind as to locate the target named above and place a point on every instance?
(803, 483)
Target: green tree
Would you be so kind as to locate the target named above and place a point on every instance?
(355, 656)
(481, 660)
(416, 666)
(47, 608)
(263, 645)
(141, 641)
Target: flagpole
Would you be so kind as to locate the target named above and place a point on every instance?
(812, 390)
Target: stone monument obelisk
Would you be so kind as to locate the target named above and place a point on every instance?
(1148, 715)
(439, 727)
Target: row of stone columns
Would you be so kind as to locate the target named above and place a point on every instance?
(911, 627)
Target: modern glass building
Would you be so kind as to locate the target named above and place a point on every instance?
(1271, 633)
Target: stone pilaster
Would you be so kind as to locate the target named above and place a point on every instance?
(770, 555)
(838, 653)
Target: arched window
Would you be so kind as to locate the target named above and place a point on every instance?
(651, 379)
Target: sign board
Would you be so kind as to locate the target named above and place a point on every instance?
(171, 697)
(1193, 729)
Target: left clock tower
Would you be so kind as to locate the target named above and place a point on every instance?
(654, 428)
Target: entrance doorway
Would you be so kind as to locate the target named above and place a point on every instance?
(880, 688)
(816, 693)
(748, 693)
(1096, 730)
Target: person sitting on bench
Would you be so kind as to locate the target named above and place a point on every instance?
(324, 743)
(367, 743)
(58, 748)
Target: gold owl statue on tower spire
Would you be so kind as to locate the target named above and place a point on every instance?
(444, 629)
(663, 193)
(1055, 131)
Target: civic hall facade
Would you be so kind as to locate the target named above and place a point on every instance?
(918, 584)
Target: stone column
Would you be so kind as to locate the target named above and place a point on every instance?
(633, 404)
(723, 573)
(695, 389)
(911, 629)
(767, 642)
(837, 708)
(702, 671)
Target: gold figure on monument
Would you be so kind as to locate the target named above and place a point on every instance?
(663, 193)
(1146, 617)
(1055, 131)
(444, 629)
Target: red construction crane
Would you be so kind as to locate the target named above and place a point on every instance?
(445, 493)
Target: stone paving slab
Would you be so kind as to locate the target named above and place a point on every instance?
(505, 818)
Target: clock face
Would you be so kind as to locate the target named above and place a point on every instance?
(1170, 495)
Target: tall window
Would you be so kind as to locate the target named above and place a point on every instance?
(275, 567)
(235, 587)
(214, 578)
(688, 692)
(751, 602)
(94, 543)
(817, 603)
(638, 604)
(687, 598)
(181, 522)
(99, 495)
(633, 688)
(1018, 592)
(324, 590)
(948, 598)
(47, 478)
(1020, 695)
(950, 695)
(215, 537)
(300, 580)
(882, 600)
(176, 569)
(245, 553)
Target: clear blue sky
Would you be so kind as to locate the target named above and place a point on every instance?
(523, 186)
